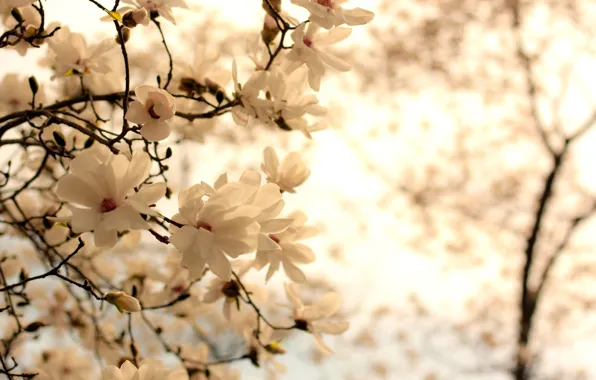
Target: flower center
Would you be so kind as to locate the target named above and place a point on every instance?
(325, 3)
(152, 113)
(203, 225)
(307, 42)
(274, 238)
(178, 289)
(231, 289)
(107, 205)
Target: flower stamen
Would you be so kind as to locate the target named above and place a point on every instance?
(107, 205)
(152, 113)
(203, 225)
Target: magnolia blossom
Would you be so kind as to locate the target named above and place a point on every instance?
(230, 290)
(310, 45)
(200, 354)
(153, 109)
(31, 22)
(15, 94)
(102, 184)
(203, 76)
(219, 226)
(283, 248)
(269, 201)
(330, 13)
(162, 7)
(290, 174)
(314, 318)
(288, 98)
(251, 105)
(265, 351)
(151, 370)
(65, 364)
(70, 54)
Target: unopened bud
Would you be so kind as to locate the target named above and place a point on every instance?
(135, 17)
(125, 35)
(270, 30)
(122, 301)
(33, 85)
(17, 15)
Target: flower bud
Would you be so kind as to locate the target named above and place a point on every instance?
(122, 301)
(135, 17)
(270, 30)
(125, 35)
(33, 85)
(17, 15)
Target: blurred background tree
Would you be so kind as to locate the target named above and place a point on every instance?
(492, 143)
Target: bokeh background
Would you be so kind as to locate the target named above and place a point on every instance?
(428, 181)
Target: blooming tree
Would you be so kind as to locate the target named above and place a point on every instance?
(82, 196)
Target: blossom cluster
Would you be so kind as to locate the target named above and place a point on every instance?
(89, 193)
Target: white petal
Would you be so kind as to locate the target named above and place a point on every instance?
(155, 130)
(334, 328)
(72, 188)
(327, 304)
(293, 272)
(275, 225)
(143, 91)
(220, 265)
(84, 220)
(104, 238)
(137, 113)
(333, 36)
(137, 172)
(358, 16)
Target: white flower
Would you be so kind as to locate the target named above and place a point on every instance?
(230, 290)
(203, 75)
(200, 354)
(269, 201)
(282, 248)
(288, 97)
(330, 13)
(15, 94)
(65, 364)
(266, 348)
(313, 318)
(31, 22)
(309, 48)
(72, 56)
(102, 185)
(215, 228)
(290, 174)
(148, 371)
(248, 94)
(162, 7)
(122, 301)
(153, 109)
